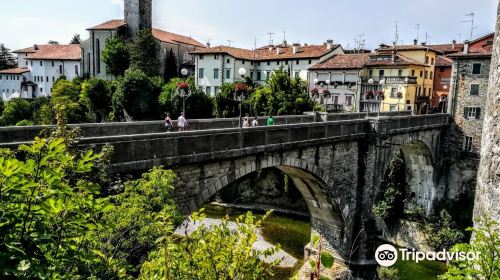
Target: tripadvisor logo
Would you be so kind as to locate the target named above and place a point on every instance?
(387, 255)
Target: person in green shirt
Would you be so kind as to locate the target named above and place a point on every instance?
(270, 121)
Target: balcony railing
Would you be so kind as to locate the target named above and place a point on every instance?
(391, 80)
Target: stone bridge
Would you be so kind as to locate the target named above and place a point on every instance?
(336, 165)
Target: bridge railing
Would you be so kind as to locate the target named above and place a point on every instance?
(194, 144)
(386, 125)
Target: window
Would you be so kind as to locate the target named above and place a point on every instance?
(60, 69)
(228, 73)
(381, 73)
(26, 63)
(216, 90)
(441, 69)
(474, 89)
(52, 63)
(76, 70)
(426, 60)
(400, 73)
(472, 113)
(259, 76)
(432, 61)
(371, 73)
(268, 74)
(243, 62)
(31, 62)
(296, 74)
(41, 63)
(394, 92)
(98, 59)
(251, 62)
(216, 57)
(277, 62)
(228, 61)
(208, 90)
(431, 75)
(392, 108)
(421, 74)
(252, 75)
(348, 101)
(53, 79)
(286, 62)
(258, 63)
(269, 63)
(47, 79)
(41, 89)
(310, 61)
(476, 68)
(426, 74)
(216, 73)
(201, 57)
(467, 145)
(0, 77)
(335, 99)
(297, 62)
(201, 73)
(18, 78)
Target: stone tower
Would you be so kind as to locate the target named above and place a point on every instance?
(138, 15)
(488, 187)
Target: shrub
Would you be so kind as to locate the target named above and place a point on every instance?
(16, 110)
(386, 273)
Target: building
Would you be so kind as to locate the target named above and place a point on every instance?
(222, 64)
(442, 85)
(137, 16)
(467, 103)
(335, 82)
(38, 68)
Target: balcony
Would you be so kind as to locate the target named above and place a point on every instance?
(391, 80)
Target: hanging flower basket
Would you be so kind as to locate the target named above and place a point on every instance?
(327, 93)
(369, 94)
(314, 92)
(241, 87)
(399, 94)
(183, 85)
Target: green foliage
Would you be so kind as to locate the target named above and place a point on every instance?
(138, 95)
(144, 53)
(170, 71)
(327, 260)
(486, 242)
(198, 104)
(116, 56)
(16, 110)
(133, 227)
(387, 273)
(225, 104)
(443, 232)
(24, 123)
(43, 113)
(76, 40)
(99, 96)
(389, 202)
(67, 100)
(47, 210)
(281, 95)
(7, 59)
(217, 252)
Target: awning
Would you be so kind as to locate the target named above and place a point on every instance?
(442, 93)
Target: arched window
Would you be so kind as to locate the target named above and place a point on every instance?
(98, 54)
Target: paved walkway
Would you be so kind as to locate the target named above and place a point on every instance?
(189, 227)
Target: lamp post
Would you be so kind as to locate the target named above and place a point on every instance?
(382, 83)
(241, 97)
(184, 92)
(184, 72)
(242, 72)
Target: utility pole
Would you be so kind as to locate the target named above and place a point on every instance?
(270, 38)
(471, 20)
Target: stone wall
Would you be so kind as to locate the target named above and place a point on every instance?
(488, 187)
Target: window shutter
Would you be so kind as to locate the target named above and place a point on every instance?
(466, 112)
(478, 113)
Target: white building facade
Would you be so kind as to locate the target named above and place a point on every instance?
(38, 68)
(218, 65)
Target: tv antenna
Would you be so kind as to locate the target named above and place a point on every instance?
(229, 43)
(270, 38)
(255, 43)
(396, 35)
(471, 20)
(418, 31)
(284, 34)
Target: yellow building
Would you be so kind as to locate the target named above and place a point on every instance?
(398, 78)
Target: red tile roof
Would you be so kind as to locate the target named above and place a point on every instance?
(271, 52)
(448, 48)
(14, 71)
(56, 52)
(169, 37)
(344, 61)
(443, 61)
(399, 60)
(471, 54)
(407, 48)
(109, 25)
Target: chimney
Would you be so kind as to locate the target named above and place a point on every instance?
(296, 49)
(285, 43)
(453, 44)
(208, 45)
(35, 47)
(415, 42)
(466, 46)
(278, 50)
(423, 43)
(305, 44)
(329, 44)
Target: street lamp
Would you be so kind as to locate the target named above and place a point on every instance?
(241, 97)
(184, 72)
(242, 72)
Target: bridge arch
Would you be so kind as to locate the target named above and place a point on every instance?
(332, 214)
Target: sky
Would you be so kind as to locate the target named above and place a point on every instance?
(27, 22)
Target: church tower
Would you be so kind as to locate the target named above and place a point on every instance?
(138, 15)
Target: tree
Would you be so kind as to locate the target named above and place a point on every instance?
(138, 95)
(443, 233)
(116, 56)
(16, 110)
(144, 53)
(43, 113)
(52, 42)
(170, 66)
(486, 242)
(225, 104)
(47, 208)
(99, 96)
(218, 252)
(7, 59)
(66, 100)
(76, 40)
